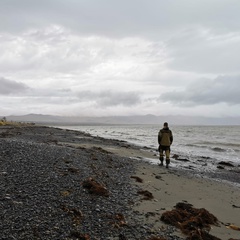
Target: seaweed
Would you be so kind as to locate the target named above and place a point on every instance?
(193, 222)
(147, 195)
(138, 179)
(95, 187)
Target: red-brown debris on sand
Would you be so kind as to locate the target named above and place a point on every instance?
(138, 179)
(95, 187)
(147, 195)
(193, 222)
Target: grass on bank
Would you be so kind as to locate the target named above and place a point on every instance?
(4, 122)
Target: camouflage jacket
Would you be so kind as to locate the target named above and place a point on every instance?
(165, 137)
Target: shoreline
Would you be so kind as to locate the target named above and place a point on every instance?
(203, 165)
(112, 162)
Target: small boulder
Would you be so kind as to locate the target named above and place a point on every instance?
(228, 164)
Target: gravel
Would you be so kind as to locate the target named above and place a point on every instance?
(41, 192)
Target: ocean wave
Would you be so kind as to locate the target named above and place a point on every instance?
(215, 149)
(218, 149)
(224, 144)
(132, 138)
(216, 146)
(142, 135)
(194, 145)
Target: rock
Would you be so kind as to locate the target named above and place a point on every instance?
(73, 170)
(182, 159)
(228, 164)
(80, 235)
(235, 206)
(175, 156)
(122, 237)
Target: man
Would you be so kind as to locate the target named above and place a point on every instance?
(165, 139)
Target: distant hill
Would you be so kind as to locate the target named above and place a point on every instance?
(138, 119)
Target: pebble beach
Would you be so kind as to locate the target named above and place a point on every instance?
(64, 184)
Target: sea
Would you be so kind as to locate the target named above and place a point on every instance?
(200, 148)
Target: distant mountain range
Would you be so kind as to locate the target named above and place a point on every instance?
(138, 119)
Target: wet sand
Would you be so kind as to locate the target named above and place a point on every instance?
(169, 187)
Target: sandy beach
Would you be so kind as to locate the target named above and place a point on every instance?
(171, 186)
(59, 161)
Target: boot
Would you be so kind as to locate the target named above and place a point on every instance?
(167, 162)
(161, 161)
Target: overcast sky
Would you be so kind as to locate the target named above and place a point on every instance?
(112, 57)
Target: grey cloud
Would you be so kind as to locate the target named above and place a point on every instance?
(55, 49)
(179, 24)
(110, 98)
(204, 51)
(39, 51)
(50, 92)
(11, 87)
(135, 17)
(153, 46)
(224, 89)
(49, 96)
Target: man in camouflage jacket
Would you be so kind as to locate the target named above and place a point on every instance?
(165, 139)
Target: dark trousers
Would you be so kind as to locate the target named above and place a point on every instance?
(165, 149)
